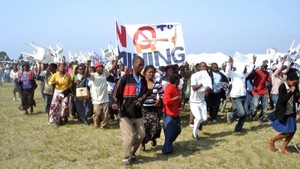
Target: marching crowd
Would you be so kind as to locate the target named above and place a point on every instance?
(142, 96)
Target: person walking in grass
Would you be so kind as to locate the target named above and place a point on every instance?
(14, 78)
(152, 107)
(59, 105)
(25, 80)
(128, 96)
(99, 93)
(285, 113)
(260, 91)
(238, 93)
(80, 80)
(201, 86)
(48, 90)
(171, 119)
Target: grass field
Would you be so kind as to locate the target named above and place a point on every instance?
(28, 141)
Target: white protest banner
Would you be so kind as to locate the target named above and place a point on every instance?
(158, 44)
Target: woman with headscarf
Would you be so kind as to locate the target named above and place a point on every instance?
(59, 105)
(28, 85)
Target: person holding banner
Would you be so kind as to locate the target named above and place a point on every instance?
(128, 96)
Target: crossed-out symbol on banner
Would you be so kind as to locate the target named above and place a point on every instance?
(141, 41)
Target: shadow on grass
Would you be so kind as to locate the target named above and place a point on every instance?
(36, 113)
(185, 148)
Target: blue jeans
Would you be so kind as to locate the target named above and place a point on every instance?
(82, 109)
(240, 113)
(249, 98)
(274, 98)
(48, 99)
(172, 129)
(264, 102)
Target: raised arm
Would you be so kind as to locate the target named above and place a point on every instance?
(114, 64)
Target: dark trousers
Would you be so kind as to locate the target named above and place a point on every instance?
(213, 103)
(172, 128)
(111, 111)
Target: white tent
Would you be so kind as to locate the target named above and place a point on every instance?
(218, 58)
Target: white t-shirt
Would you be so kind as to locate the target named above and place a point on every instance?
(197, 78)
(98, 88)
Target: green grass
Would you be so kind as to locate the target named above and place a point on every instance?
(28, 141)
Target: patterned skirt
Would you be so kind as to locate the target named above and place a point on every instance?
(59, 106)
(151, 122)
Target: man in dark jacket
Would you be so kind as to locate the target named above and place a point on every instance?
(128, 97)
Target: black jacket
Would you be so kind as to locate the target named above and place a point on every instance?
(124, 95)
(282, 101)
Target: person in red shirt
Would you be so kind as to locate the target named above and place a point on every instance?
(171, 120)
(260, 91)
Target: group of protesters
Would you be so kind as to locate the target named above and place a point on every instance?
(143, 95)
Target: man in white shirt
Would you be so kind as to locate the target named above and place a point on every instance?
(99, 93)
(200, 86)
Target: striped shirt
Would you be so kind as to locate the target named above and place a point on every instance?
(154, 94)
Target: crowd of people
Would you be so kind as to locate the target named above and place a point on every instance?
(140, 97)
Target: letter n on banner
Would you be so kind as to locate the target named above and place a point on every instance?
(121, 35)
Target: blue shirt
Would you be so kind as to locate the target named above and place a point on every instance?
(138, 80)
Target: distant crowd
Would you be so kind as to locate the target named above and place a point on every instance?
(141, 96)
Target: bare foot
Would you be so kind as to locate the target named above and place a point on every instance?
(271, 145)
(284, 151)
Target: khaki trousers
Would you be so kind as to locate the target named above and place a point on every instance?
(133, 133)
(100, 110)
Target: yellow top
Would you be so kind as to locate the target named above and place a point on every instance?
(64, 82)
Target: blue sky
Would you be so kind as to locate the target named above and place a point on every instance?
(247, 26)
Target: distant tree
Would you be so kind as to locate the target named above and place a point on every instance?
(3, 55)
(21, 57)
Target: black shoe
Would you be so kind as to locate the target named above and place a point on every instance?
(66, 120)
(153, 143)
(195, 138)
(133, 158)
(200, 127)
(143, 148)
(238, 131)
